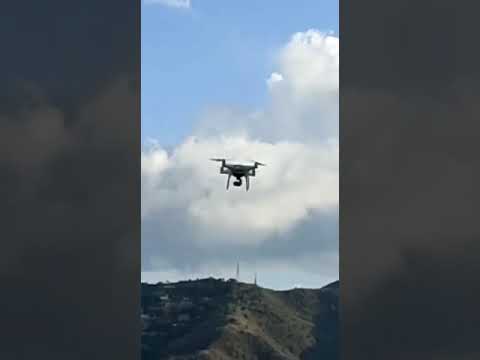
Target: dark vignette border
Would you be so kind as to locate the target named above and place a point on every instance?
(409, 234)
(70, 179)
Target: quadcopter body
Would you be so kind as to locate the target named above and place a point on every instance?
(238, 171)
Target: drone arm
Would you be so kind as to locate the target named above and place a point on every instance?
(222, 167)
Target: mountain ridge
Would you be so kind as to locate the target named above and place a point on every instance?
(213, 319)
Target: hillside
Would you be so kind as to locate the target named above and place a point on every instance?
(225, 320)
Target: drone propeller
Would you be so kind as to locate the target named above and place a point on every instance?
(218, 159)
(258, 163)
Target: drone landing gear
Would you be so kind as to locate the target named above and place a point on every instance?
(228, 180)
(237, 182)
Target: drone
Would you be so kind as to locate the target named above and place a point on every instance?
(238, 171)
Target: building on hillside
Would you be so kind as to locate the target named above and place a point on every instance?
(146, 319)
(185, 304)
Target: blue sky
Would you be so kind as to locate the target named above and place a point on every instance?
(216, 52)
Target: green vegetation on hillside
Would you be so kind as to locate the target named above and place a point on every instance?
(225, 320)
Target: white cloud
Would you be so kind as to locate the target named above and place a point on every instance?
(291, 202)
(297, 178)
(310, 63)
(274, 78)
(182, 4)
(304, 96)
(304, 104)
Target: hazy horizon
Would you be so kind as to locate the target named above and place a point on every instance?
(155, 282)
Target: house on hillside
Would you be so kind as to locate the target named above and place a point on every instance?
(146, 319)
(155, 310)
(185, 304)
(169, 307)
(205, 300)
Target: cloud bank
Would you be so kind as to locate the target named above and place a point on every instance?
(289, 218)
